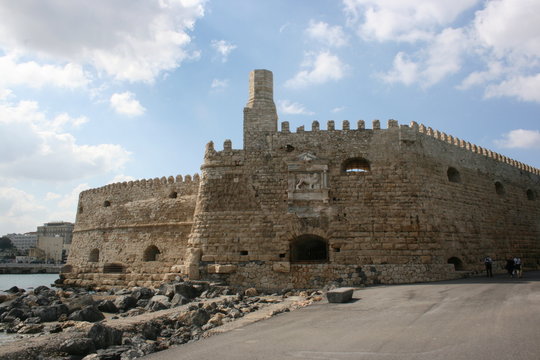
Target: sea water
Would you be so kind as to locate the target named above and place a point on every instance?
(22, 281)
(26, 281)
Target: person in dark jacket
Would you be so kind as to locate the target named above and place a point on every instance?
(488, 262)
(510, 267)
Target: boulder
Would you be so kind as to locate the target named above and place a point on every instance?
(78, 346)
(199, 317)
(107, 306)
(159, 302)
(89, 313)
(41, 289)
(46, 313)
(104, 336)
(251, 292)
(142, 293)
(17, 313)
(340, 295)
(14, 290)
(125, 302)
(78, 302)
(150, 330)
(31, 329)
(186, 290)
(178, 300)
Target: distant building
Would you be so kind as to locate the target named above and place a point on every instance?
(54, 240)
(23, 241)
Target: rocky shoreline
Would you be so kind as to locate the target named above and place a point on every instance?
(129, 323)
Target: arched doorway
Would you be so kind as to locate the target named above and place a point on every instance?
(309, 249)
(94, 255)
(151, 253)
(458, 264)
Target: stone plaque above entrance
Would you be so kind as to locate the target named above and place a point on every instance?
(307, 179)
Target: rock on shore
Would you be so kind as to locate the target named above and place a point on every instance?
(123, 324)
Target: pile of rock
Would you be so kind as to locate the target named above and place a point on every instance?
(75, 317)
(25, 312)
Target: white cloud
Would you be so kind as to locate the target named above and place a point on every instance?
(70, 200)
(5, 94)
(52, 196)
(403, 71)
(507, 34)
(19, 211)
(520, 138)
(34, 75)
(64, 119)
(223, 48)
(319, 69)
(394, 20)
(510, 27)
(126, 104)
(526, 88)
(35, 147)
(502, 40)
(328, 35)
(131, 40)
(219, 84)
(443, 57)
(495, 70)
(290, 108)
(338, 109)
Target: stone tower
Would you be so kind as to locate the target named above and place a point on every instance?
(260, 116)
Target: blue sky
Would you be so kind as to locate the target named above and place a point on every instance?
(95, 92)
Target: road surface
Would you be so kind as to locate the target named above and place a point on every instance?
(473, 319)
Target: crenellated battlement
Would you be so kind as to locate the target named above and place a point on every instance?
(439, 135)
(145, 183)
(392, 125)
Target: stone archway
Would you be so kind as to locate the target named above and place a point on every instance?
(458, 264)
(309, 249)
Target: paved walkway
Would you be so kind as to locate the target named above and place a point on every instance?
(477, 318)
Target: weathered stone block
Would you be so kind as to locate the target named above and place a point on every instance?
(282, 267)
(340, 295)
(221, 269)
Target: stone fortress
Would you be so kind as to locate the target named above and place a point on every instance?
(303, 209)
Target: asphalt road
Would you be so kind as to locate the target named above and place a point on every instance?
(476, 318)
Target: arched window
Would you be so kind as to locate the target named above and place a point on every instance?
(94, 255)
(453, 175)
(355, 165)
(113, 268)
(106, 203)
(499, 188)
(531, 195)
(151, 253)
(458, 264)
(310, 249)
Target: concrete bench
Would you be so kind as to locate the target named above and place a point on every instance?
(340, 295)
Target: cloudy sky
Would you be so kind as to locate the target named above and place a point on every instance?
(95, 92)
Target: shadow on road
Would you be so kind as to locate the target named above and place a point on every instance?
(529, 276)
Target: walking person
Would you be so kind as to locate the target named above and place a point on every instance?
(488, 262)
(517, 266)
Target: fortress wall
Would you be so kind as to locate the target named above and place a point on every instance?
(400, 222)
(142, 225)
(368, 219)
(469, 217)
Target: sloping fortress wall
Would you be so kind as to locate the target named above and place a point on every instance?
(305, 208)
